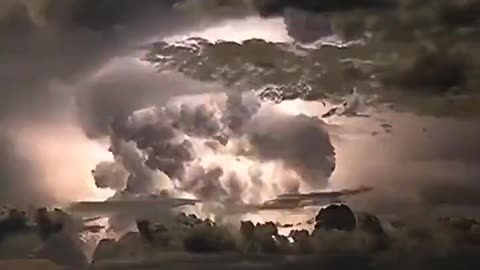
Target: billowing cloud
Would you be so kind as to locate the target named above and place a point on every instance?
(301, 142)
(110, 175)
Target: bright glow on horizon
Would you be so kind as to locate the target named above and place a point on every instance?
(239, 30)
(65, 160)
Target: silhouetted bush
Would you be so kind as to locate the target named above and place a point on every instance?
(45, 224)
(206, 238)
(14, 223)
(143, 227)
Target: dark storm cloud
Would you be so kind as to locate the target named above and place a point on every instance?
(275, 7)
(90, 14)
(301, 142)
(31, 61)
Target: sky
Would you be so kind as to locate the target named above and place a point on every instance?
(85, 117)
(64, 80)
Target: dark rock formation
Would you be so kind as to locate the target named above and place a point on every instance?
(336, 217)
